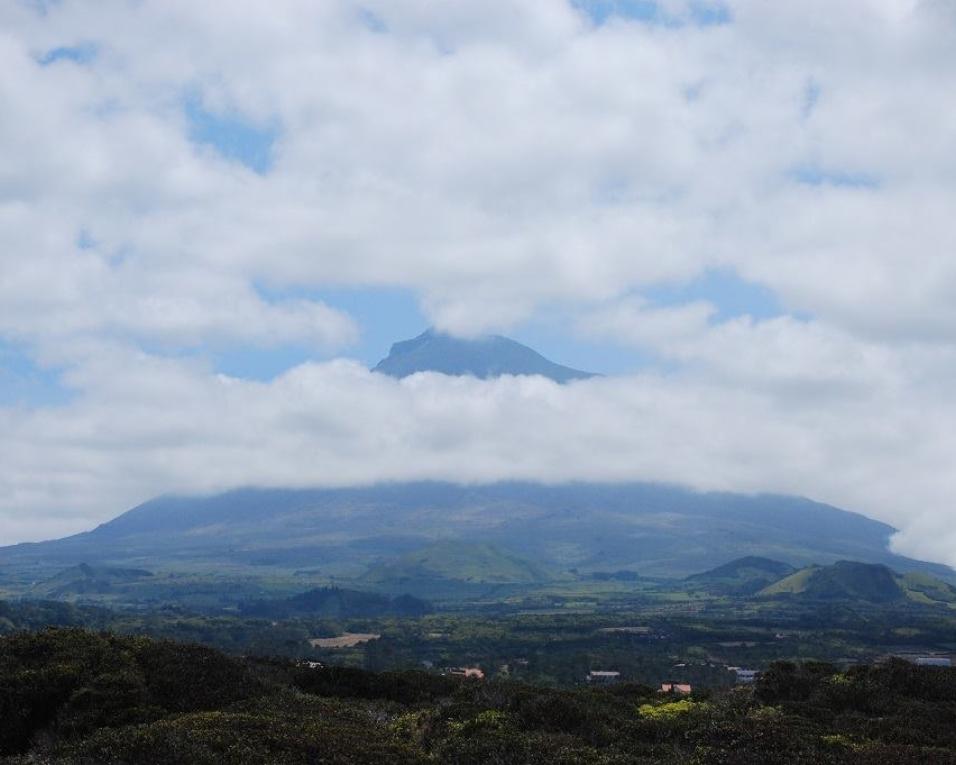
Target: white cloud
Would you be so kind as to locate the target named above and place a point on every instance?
(494, 158)
(145, 425)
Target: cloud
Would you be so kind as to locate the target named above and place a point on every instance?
(145, 425)
(505, 160)
(178, 179)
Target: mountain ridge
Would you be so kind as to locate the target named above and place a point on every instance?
(653, 529)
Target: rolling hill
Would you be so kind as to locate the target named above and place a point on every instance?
(336, 602)
(654, 530)
(743, 576)
(84, 579)
(855, 581)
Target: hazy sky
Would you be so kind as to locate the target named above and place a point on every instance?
(214, 217)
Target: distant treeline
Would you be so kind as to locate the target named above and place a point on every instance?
(335, 602)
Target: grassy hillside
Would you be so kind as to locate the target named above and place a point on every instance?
(460, 561)
(794, 584)
(928, 590)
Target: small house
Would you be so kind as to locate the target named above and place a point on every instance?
(681, 689)
(469, 672)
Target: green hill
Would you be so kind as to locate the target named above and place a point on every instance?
(743, 576)
(872, 583)
(928, 590)
(88, 580)
(460, 561)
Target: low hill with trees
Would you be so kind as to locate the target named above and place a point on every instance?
(743, 576)
(862, 582)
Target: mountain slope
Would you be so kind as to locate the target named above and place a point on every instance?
(652, 529)
(484, 357)
(462, 561)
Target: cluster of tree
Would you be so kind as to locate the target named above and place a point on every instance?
(614, 576)
(35, 614)
(71, 696)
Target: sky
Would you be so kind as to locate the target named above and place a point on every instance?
(213, 221)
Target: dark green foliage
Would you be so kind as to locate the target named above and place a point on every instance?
(280, 729)
(896, 702)
(71, 682)
(348, 682)
(71, 697)
(214, 680)
(31, 615)
(786, 681)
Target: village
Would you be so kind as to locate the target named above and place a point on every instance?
(649, 652)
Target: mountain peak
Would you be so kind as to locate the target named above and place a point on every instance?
(483, 357)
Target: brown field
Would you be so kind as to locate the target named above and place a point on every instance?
(346, 640)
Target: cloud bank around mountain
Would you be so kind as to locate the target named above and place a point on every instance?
(181, 179)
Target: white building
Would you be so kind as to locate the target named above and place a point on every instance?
(745, 676)
(934, 661)
(602, 677)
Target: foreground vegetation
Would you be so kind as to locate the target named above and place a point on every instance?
(72, 696)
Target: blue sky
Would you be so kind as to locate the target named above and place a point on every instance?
(25, 383)
(387, 315)
(231, 136)
(701, 13)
